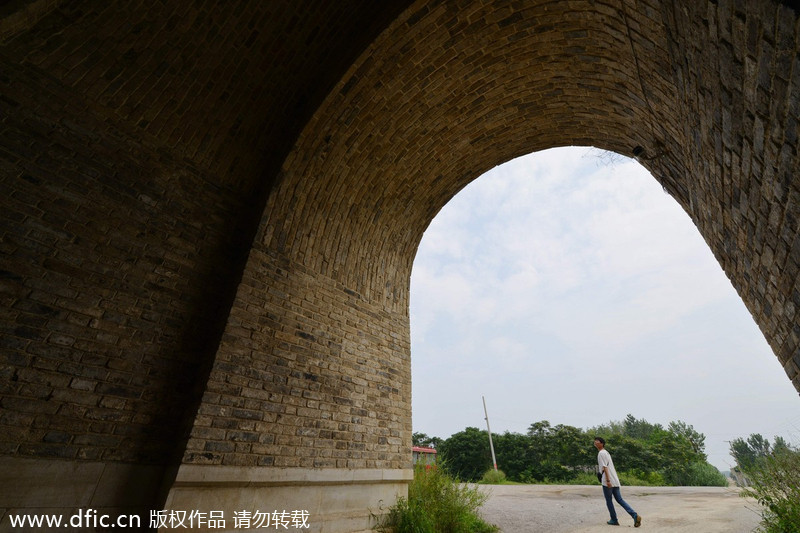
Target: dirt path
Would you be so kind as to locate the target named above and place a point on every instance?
(582, 509)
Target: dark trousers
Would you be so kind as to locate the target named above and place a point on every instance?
(614, 491)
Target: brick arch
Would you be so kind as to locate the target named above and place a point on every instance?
(442, 97)
(449, 91)
(444, 94)
(144, 146)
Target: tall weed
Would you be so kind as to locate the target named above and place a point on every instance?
(436, 503)
(775, 483)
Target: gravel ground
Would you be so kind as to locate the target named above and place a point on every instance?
(570, 508)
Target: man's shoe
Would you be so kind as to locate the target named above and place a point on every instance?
(613, 522)
(637, 521)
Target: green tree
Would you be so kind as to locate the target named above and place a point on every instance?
(539, 430)
(695, 438)
(421, 439)
(539, 438)
(558, 453)
(513, 453)
(610, 428)
(644, 451)
(751, 453)
(676, 454)
(639, 429)
(572, 447)
(744, 456)
(780, 445)
(697, 474)
(673, 449)
(466, 454)
(759, 445)
(632, 455)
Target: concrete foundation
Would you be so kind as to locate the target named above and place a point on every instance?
(39, 487)
(314, 500)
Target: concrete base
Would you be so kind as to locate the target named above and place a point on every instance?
(315, 500)
(39, 487)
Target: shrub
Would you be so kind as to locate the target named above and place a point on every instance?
(436, 503)
(695, 474)
(639, 478)
(775, 483)
(493, 477)
(583, 478)
(702, 475)
(548, 471)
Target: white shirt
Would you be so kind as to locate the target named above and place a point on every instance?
(604, 460)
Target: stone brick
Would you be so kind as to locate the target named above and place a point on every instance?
(211, 227)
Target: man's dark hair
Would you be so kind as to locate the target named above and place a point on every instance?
(601, 439)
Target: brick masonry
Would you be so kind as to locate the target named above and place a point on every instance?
(210, 212)
(306, 378)
(102, 334)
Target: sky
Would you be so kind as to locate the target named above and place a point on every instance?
(568, 286)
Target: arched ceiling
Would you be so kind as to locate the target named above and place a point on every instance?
(450, 90)
(356, 121)
(224, 85)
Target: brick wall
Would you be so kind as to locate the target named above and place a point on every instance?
(448, 91)
(139, 141)
(114, 274)
(144, 147)
(741, 105)
(309, 374)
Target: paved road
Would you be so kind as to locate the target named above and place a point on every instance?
(582, 509)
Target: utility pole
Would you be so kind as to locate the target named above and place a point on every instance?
(491, 446)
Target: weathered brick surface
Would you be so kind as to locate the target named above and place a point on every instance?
(137, 145)
(147, 148)
(741, 165)
(308, 374)
(104, 240)
(453, 88)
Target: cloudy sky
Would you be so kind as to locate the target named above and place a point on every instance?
(568, 286)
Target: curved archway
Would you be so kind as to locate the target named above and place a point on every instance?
(567, 276)
(446, 92)
(138, 160)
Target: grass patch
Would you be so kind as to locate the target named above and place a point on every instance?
(436, 503)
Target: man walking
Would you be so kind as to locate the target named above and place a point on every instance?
(611, 484)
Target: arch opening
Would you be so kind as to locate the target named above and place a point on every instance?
(568, 275)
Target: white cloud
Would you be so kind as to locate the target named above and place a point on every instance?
(552, 270)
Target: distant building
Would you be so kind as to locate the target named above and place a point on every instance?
(423, 456)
